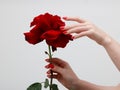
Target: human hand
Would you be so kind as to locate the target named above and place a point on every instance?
(85, 28)
(62, 72)
(65, 75)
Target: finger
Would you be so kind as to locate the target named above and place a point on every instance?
(50, 65)
(49, 71)
(81, 34)
(56, 69)
(57, 61)
(80, 20)
(73, 26)
(53, 76)
(77, 29)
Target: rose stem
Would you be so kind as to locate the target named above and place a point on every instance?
(50, 57)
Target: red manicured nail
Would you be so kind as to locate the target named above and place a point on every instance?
(64, 17)
(62, 27)
(48, 72)
(73, 37)
(47, 60)
(46, 66)
(51, 66)
(65, 32)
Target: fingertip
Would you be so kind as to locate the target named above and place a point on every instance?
(73, 37)
(49, 76)
(48, 72)
(65, 32)
(51, 66)
(77, 19)
(47, 60)
(62, 27)
(65, 18)
(46, 67)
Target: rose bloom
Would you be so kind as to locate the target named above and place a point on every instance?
(47, 27)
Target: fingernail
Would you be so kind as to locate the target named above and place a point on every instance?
(62, 27)
(48, 76)
(73, 37)
(64, 17)
(48, 72)
(65, 32)
(47, 60)
(46, 66)
(51, 66)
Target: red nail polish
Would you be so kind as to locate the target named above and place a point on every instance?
(72, 37)
(48, 72)
(46, 60)
(46, 66)
(64, 17)
(65, 32)
(62, 27)
(51, 66)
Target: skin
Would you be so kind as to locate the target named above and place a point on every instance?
(61, 67)
(86, 28)
(70, 80)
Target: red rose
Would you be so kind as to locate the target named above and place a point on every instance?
(47, 27)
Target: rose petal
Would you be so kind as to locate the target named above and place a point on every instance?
(51, 35)
(32, 38)
(61, 41)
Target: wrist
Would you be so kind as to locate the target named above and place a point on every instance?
(84, 85)
(106, 41)
(75, 85)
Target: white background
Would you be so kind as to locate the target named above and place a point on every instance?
(22, 64)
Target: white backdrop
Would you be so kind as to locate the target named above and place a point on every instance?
(22, 64)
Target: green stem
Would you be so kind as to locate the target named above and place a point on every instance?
(50, 57)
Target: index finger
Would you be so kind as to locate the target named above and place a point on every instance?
(57, 61)
(77, 19)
